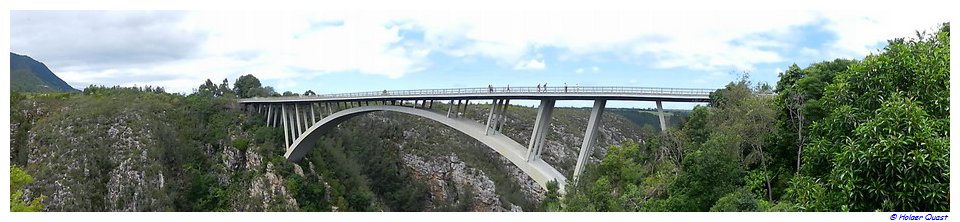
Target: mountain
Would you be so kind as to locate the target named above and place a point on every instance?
(29, 75)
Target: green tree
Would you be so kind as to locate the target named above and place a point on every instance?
(18, 180)
(708, 174)
(798, 102)
(207, 89)
(739, 201)
(224, 89)
(551, 200)
(883, 144)
(248, 86)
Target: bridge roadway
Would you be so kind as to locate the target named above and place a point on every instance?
(529, 93)
(302, 127)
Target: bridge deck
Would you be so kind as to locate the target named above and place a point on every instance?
(533, 93)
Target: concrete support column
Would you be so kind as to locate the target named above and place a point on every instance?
(286, 134)
(502, 116)
(306, 120)
(273, 116)
(297, 123)
(589, 138)
(540, 129)
(459, 104)
(490, 119)
(449, 108)
(269, 114)
(663, 122)
(313, 115)
(465, 104)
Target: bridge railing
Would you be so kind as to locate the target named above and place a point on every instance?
(582, 90)
(535, 90)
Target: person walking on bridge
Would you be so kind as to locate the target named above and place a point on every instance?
(544, 87)
(564, 87)
(538, 87)
(490, 88)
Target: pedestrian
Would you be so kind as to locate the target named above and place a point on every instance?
(508, 87)
(538, 87)
(564, 87)
(490, 87)
(545, 87)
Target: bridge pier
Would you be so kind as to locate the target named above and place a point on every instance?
(663, 122)
(298, 124)
(494, 106)
(269, 114)
(305, 122)
(589, 137)
(276, 115)
(502, 116)
(449, 108)
(540, 129)
(286, 135)
(313, 114)
(459, 104)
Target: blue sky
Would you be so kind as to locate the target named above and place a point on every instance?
(349, 51)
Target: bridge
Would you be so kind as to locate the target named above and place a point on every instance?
(305, 118)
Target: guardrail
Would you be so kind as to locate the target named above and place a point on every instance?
(514, 90)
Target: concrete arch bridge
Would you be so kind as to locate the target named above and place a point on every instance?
(304, 119)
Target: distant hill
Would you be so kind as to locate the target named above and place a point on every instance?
(28, 75)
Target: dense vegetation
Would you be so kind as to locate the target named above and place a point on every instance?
(841, 135)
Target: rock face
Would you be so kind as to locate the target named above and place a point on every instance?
(264, 192)
(90, 159)
(84, 172)
(448, 177)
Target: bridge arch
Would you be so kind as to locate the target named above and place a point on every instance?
(537, 169)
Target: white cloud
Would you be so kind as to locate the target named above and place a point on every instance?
(312, 43)
(533, 64)
(862, 33)
(282, 46)
(666, 39)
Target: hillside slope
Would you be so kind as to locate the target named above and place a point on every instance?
(29, 75)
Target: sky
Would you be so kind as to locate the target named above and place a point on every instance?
(339, 51)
